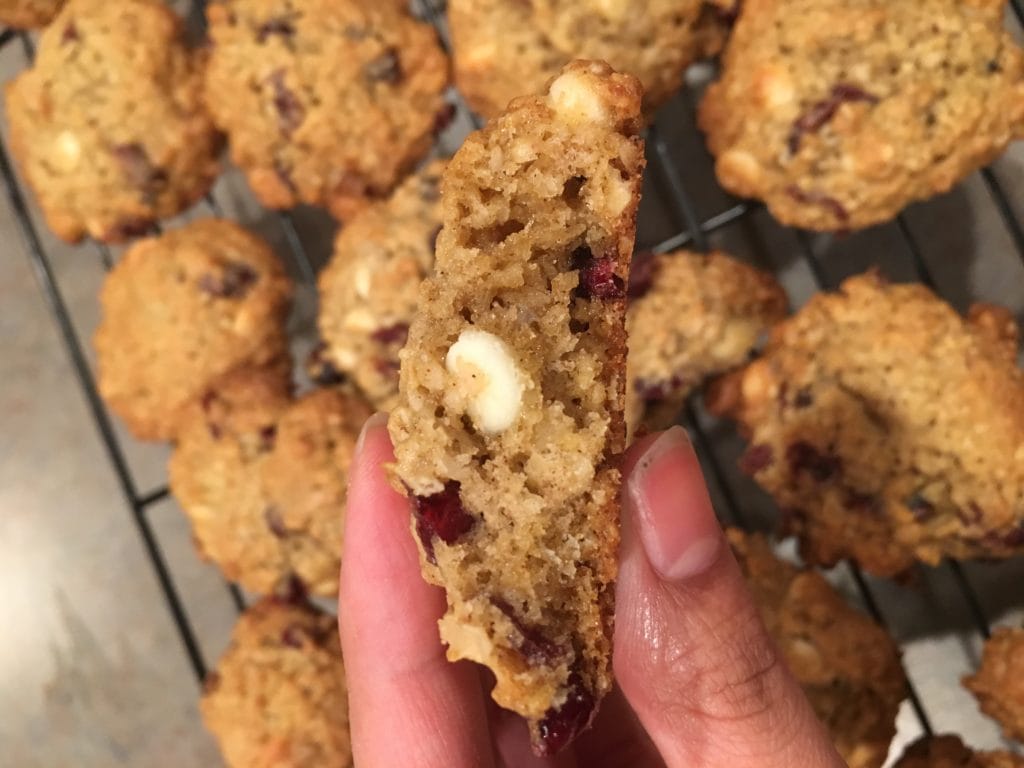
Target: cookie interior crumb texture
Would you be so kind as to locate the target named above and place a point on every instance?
(888, 428)
(510, 419)
(278, 696)
(325, 102)
(998, 685)
(848, 665)
(108, 125)
(691, 316)
(839, 113)
(948, 751)
(181, 309)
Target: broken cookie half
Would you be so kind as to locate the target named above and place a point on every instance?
(510, 420)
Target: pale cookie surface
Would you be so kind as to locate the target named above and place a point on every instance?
(26, 14)
(847, 664)
(108, 124)
(326, 102)
(278, 697)
(948, 751)
(181, 309)
(998, 685)
(839, 113)
(510, 418)
(368, 291)
(507, 49)
(888, 428)
(263, 479)
(691, 316)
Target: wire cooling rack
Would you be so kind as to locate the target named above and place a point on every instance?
(682, 208)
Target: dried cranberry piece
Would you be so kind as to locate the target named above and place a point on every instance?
(290, 112)
(822, 111)
(922, 509)
(291, 590)
(272, 517)
(803, 398)
(234, 282)
(756, 458)
(294, 635)
(653, 391)
(279, 26)
(537, 648)
(140, 171)
(804, 457)
(1014, 538)
(444, 117)
(862, 502)
(268, 436)
(391, 334)
(641, 274)
(441, 515)
(69, 34)
(819, 198)
(385, 68)
(387, 368)
(560, 726)
(132, 226)
(597, 275)
(727, 16)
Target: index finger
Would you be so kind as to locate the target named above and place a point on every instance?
(408, 705)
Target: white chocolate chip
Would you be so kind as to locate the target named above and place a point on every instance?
(67, 151)
(575, 101)
(613, 9)
(361, 319)
(362, 281)
(488, 376)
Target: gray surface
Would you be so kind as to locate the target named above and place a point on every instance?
(93, 673)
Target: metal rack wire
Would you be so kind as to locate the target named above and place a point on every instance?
(693, 231)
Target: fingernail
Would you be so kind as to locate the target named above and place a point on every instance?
(677, 524)
(376, 421)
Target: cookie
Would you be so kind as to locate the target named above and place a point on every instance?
(997, 683)
(27, 14)
(838, 114)
(502, 50)
(278, 696)
(263, 479)
(182, 309)
(888, 428)
(368, 290)
(326, 102)
(305, 480)
(948, 751)
(692, 316)
(848, 665)
(510, 415)
(108, 125)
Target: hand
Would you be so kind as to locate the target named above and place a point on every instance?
(700, 683)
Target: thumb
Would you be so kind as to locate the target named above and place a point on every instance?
(691, 653)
